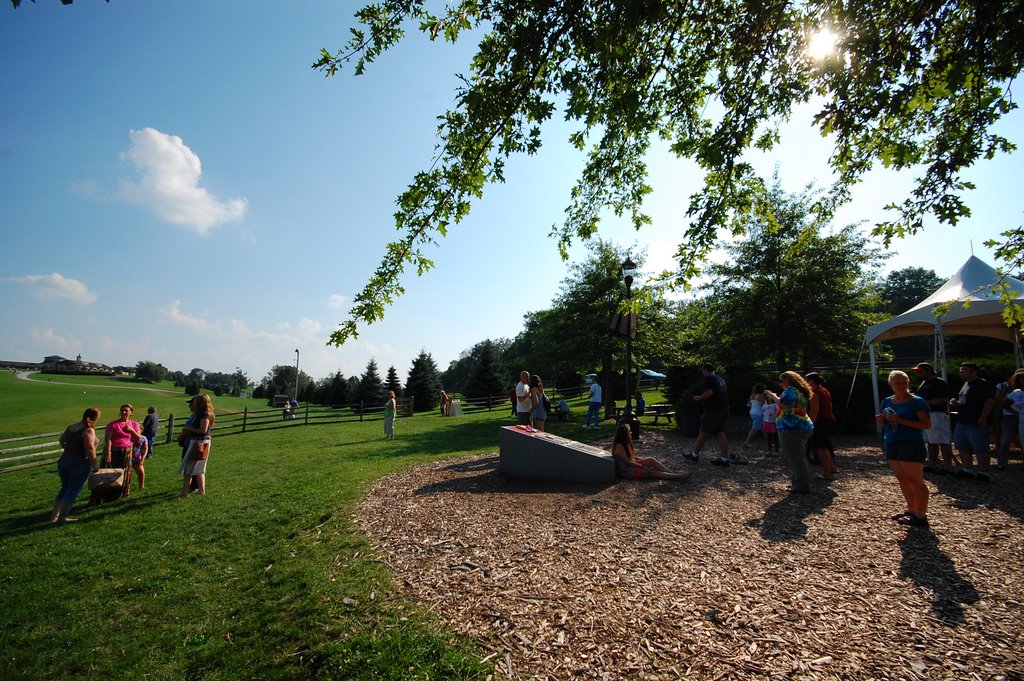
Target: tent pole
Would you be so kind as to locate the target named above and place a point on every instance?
(874, 383)
(940, 339)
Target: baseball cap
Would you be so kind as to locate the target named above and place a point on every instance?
(925, 365)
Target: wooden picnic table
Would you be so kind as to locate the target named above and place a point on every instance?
(658, 411)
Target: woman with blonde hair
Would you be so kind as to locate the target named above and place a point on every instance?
(905, 417)
(540, 402)
(197, 437)
(390, 408)
(794, 423)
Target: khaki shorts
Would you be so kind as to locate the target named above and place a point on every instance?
(938, 434)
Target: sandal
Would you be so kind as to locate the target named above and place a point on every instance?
(913, 521)
(900, 516)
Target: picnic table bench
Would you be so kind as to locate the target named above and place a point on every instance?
(658, 411)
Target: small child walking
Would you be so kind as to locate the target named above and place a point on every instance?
(771, 435)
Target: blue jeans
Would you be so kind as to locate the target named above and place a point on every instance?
(73, 476)
(593, 412)
(970, 438)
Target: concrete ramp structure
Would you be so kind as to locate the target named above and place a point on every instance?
(533, 455)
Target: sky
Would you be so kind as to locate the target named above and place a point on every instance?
(177, 185)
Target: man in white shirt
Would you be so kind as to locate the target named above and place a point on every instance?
(524, 399)
(593, 406)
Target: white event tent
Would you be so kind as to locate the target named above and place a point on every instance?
(974, 284)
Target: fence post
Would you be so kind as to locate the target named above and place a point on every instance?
(361, 410)
(488, 402)
(305, 417)
(170, 429)
(245, 418)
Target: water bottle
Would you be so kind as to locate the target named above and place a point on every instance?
(889, 411)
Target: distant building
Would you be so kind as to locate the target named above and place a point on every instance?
(55, 364)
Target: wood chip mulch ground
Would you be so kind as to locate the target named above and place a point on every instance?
(725, 576)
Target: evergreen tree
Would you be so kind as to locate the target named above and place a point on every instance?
(333, 390)
(392, 382)
(371, 389)
(423, 383)
(486, 378)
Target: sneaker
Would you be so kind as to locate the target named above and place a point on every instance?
(738, 458)
(694, 458)
(724, 463)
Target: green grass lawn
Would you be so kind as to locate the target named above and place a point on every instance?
(265, 578)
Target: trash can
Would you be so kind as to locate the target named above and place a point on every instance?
(689, 422)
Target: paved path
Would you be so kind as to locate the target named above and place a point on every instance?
(24, 375)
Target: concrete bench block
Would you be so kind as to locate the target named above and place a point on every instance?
(543, 456)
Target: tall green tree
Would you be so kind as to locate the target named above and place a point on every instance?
(792, 291)
(462, 372)
(151, 372)
(392, 382)
(572, 338)
(913, 86)
(333, 390)
(900, 291)
(423, 383)
(371, 388)
(280, 380)
(905, 288)
(487, 378)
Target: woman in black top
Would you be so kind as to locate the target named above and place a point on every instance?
(75, 464)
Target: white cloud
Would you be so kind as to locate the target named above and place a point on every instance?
(169, 183)
(54, 286)
(336, 301)
(174, 315)
(310, 327)
(52, 343)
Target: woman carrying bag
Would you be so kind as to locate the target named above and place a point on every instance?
(197, 437)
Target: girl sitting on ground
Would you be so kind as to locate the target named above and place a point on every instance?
(629, 465)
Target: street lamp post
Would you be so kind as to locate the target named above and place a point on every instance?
(628, 270)
(296, 398)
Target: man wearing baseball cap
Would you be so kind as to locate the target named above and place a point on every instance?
(935, 392)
